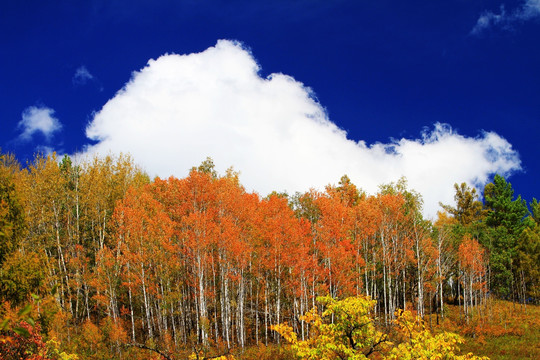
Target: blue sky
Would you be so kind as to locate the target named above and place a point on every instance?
(410, 81)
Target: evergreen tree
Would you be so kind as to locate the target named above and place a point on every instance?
(505, 219)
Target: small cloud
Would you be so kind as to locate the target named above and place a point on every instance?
(488, 19)
(82, 76)
(527, 11)
(38, 120)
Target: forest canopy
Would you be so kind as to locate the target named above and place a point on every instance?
(110, 257)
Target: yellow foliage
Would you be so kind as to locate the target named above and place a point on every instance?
(54, 353)
(200, 356)
(423, 344)
(352, 335)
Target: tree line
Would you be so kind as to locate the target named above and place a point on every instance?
(200, 260)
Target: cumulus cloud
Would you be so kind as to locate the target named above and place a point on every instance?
(38, 119)
(529, 10)
(179, 109)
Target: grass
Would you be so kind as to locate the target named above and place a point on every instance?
(501, 331)
(506, 347)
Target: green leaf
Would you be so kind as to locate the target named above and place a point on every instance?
(21, 331)
(30, 321)
(36, 297)
(4, 324)
(25, 310)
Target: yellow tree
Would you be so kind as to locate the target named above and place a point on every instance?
(45, 197)
(346, 330)
(12, 222)
(468, 208)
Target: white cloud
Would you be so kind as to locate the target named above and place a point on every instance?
(82, 75)
(488, 19)
(529, 10)
(180, 109)
(38, 120)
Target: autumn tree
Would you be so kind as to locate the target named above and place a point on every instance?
(12, 220)
(468, 208)
(472, 263)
